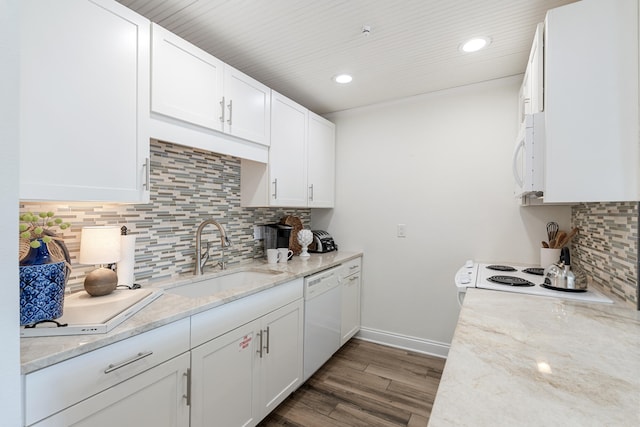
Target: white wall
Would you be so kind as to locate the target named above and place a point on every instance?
(10, 391)
(441, 164)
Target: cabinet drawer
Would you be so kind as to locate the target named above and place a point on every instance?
(153, 398)
(59, 386)
(350, 267)
(219, 320)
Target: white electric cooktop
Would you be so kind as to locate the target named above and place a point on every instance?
(476, 275)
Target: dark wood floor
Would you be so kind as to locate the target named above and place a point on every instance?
(364, 384)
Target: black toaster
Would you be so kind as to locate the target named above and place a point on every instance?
(322, 242)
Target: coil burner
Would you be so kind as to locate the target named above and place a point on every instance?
(510, 281)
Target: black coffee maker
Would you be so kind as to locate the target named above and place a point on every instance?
(277, 236)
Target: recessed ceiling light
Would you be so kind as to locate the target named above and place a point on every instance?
(343, 78)
(475, 44)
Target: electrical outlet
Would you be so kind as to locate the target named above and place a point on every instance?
(402, 230)
(258, 232)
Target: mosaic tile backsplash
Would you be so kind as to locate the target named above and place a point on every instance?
(606, 247)
(187, 187)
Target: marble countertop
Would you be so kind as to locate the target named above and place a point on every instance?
(40, 352)
(519, 360)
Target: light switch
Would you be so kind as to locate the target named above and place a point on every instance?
(402, 230)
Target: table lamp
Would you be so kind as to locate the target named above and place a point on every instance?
(100, 246)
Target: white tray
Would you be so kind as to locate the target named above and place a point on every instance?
(85, 314)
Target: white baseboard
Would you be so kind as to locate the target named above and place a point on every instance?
(404, 342)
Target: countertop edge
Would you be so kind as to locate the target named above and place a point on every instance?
(537, 349)
(52, 350)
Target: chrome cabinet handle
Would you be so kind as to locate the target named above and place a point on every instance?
(275, 188)
(230, 111)
(139, 356)
(147, 174)
(187, 394)
(222, 108)
(268, 334)
(259, 351)
(311, 192)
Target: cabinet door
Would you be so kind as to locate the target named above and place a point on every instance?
(288, 153)
(321, 162)
(224, 379)
(156, 397)
(524, 98)
(350, 324)
(591, 102)
(84, 101)
(248, 107)
(281, 361)
(535, 72)
(186, 82)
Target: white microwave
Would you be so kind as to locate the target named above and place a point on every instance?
(528, 157)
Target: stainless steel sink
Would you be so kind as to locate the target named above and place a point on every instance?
(237, 280)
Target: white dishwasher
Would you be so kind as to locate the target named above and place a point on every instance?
(322, 316)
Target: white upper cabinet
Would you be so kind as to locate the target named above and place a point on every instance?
(194, 87)
(591, 102)
(535, 71)
(321, 143)
(186, 82)
(532, 89)
(84, 102)
(288, 153)
(247, 107)
(301, 168)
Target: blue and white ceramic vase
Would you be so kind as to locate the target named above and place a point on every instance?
(42, 283)
(37, 256)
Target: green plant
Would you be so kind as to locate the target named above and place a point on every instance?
(34, 227)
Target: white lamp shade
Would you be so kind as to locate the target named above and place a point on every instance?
(100, 245)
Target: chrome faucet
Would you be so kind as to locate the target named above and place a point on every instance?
(201, 259)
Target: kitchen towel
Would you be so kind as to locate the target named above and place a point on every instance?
(124, 267)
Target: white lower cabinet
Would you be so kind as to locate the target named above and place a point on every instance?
(351, 283)
(156, 397)
(140, 378)
(281, 357)
(241, 376)
(245, 359)
(224, 381)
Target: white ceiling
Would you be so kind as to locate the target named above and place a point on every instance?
(297, 46)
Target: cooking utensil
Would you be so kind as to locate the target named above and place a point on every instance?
(559, 238)
(552, 230)
(545, 244)
(552, 243)
(565, 241)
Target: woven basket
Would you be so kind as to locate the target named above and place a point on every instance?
(294, 222)
(57, 249)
